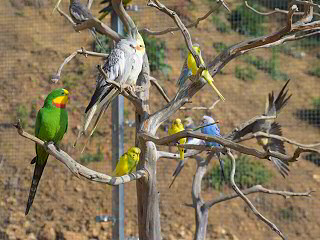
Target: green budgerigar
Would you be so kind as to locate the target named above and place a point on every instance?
(51, 125)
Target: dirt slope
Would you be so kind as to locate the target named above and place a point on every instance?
(33, 43)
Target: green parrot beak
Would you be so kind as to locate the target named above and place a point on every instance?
(56, 6)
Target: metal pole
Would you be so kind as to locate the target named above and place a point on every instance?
(117, 150)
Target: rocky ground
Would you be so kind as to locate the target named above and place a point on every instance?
(33, 43)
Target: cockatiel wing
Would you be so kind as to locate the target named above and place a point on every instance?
(79, 12)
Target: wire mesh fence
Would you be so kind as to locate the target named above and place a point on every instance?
(33, 44)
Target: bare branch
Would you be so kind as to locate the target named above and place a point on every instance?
(200, 107)
(276, 10)
(168, 140)
(191, 153)
(283, 139)
(194, 24)
(257, 189)
(89, 4)
(55, 78)
(100, 27)
(181, 26)
(78, 169)
(155, 83)
(124, 16)
(247, 201)
(62, 13)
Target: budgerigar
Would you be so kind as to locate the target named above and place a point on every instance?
(108, 9)
(176, 127)
(272, 109)
(51, 125)
(213, 130)
(191, 141)
(190, 70)
(127, 162)
(123, 65)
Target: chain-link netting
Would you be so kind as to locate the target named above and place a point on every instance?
(34, 43)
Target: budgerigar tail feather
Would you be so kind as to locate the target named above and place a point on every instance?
(223, 176)
(38, 170)
(106, 10)
(177, 171)
(217, 91)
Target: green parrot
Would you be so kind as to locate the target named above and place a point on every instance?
(51, 125)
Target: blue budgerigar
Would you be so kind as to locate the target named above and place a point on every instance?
(213, 130)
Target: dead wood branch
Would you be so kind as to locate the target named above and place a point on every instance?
(168, 140)
(78, 169)
(55, 78)
(155, 83)
(257, 189)
(247, 201)
(201, 108)
(194, 24)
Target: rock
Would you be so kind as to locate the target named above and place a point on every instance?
(47, 232)
(68, 235)
(316, 177)
(11, 200)
(220, 231)
(31, 236)
(15, 232)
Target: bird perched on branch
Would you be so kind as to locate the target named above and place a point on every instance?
(108, 9)
(127, 162)
(80, 13)
(51, 125)
(213, 130)
(176, 127)
(191, 141)
(272, 109)
(123, 65)
(190, 69)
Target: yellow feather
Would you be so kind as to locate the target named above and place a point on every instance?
(176, 127)
(127, 162)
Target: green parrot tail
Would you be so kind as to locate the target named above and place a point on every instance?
(38, 170)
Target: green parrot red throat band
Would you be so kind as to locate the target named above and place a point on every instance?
(59, 105)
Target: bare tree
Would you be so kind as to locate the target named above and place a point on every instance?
(148, 121)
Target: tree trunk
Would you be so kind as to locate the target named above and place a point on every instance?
(201, 223)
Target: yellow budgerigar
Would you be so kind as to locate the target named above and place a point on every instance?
(127, 162)
(176, 127)
(192, 65)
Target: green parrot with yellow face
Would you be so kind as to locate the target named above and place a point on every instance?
(51, 125)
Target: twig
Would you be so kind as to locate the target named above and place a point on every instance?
(247, 201)
(89, 3)
(191, 153)
(276, 10)
(194, 24)
(168, 140)
(55, 78)
(283, 139)
(155, 83)
(257, 189)
(201, 108)
(172, 14)
(78, 169)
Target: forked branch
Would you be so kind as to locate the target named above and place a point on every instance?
(78, 169)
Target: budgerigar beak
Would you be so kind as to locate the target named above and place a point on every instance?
(56, 6)
(216, 90)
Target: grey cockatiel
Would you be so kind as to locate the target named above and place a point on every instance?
(123, 65)
(273, 107)
(80, 13)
